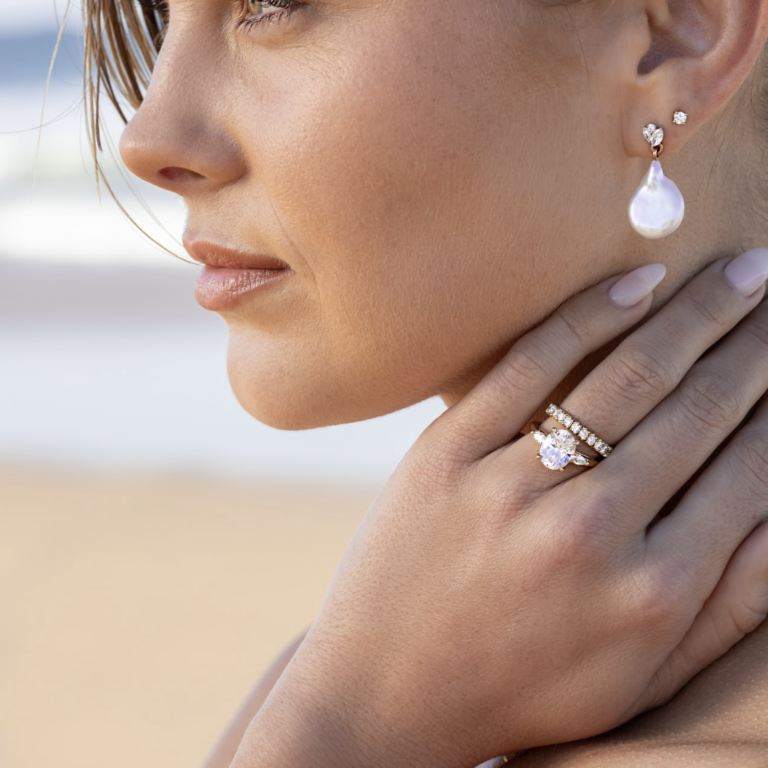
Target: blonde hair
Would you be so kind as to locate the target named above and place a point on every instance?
(121, 41)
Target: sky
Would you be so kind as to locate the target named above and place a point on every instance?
(24, 16)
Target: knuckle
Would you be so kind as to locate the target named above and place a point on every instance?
(577, 320)
(436, 458)
(751, 458)
(748, 615)
(502, 501)
(656, 594)
(757, 330)
(588, 530)
(527, 363)
(709, 306)
(641, 373)
(709, 399)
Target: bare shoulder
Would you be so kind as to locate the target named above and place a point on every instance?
(718, 720)
(605, 755)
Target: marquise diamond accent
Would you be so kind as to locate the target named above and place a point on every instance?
(653, 135)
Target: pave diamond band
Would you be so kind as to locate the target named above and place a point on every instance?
(578, 429)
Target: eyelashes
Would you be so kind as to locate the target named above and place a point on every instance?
(159, 6)
(286, 8)
(248, 20)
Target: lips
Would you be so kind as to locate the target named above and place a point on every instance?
(220, 256)
(229, 276)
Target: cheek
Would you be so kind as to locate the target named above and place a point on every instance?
(404, 178)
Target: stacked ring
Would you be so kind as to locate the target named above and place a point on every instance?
(558, 449)
(578, 429)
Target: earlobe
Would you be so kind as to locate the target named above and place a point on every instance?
(701, 53)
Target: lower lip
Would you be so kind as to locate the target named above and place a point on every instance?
(218, 288)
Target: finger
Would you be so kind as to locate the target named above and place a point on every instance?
(501, 404)
(651, 362)
(669, 446)
(721, 506)
(736, 607)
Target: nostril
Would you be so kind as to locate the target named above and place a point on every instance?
(175, 174)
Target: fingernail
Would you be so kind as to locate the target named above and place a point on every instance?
(748, 271)
(636, 285)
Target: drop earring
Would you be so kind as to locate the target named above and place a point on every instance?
(656, 208)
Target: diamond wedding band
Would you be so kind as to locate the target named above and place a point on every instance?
(590, 438)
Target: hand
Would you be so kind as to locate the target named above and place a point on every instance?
(487, 604)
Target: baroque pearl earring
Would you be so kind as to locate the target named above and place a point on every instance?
(656, 208)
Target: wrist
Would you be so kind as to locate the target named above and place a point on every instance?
(340, 722)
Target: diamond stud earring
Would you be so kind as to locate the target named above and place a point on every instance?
(656, 208)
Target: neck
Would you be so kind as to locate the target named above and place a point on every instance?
(726, 702)
(723, 203)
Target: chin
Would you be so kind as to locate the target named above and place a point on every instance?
(277, 399)
(290, 392)
(297, 391)
(278, 418)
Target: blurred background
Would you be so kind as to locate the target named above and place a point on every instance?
(158, 546)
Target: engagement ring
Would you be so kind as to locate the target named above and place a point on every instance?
(558, 449)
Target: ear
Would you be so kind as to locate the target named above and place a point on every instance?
(690, 55)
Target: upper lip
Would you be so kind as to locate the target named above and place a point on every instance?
(220, 256)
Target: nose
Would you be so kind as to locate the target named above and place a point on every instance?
(179, 138)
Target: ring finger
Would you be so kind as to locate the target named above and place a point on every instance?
(650, 363)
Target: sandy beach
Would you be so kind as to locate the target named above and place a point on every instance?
(138, 610)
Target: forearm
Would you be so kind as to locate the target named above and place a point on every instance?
(222, 753)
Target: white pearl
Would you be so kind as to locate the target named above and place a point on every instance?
(656, 208)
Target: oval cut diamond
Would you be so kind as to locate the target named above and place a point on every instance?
(557, 449)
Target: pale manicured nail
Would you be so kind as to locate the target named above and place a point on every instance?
(748, 271)
(636, 285)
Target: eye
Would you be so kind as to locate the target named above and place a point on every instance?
(259, 9)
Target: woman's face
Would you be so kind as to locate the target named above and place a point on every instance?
(434, 173)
